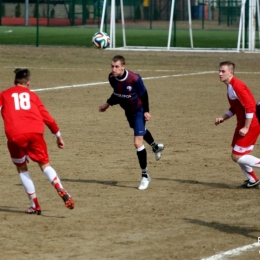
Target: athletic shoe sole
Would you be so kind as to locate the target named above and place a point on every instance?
(253, 185)
(144, 183)
(157, 153)
(31, 210)
(248, 185)
(69, 202)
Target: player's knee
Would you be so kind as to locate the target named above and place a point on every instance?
(138, 144)
(235, 157)
(43, 165)
(22, 168)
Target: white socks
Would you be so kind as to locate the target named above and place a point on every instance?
(28, 187)
(246, 162)
(27, 182)
(247, 170)
(52, 176)
(140, 148)
(249, 160)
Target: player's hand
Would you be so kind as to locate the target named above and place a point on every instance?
(243, 131)
(147, 116)
(60, 142)
(219, 120)
(104, 107)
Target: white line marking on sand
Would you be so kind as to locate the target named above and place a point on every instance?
(233, 252)
(70, 86)
(102, 83)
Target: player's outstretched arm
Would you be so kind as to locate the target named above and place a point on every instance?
(220, 120)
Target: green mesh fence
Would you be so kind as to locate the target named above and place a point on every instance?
(73, 22)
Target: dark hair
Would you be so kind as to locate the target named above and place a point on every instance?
(119, 58)
(22, 76)
(230, 64)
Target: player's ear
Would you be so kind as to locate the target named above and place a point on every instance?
(28, 83)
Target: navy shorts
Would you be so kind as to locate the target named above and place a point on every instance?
(137, 122)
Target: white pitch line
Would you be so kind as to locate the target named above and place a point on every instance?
(181, 75)
(102, 83)
(48, 68)
(241, 72)
(233, 252)
(87, 69)
(70, 86)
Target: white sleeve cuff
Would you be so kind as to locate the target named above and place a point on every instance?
(229, 113)
(249, 115)
(58, 134)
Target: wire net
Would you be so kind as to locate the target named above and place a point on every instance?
(214, 23)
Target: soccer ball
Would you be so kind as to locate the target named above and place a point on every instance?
(101, 40)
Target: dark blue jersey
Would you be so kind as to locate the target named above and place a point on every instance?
(129, 92)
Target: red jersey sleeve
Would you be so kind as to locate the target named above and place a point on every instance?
(47, 118)
(242, 102)
(23, 112)
(245, 97)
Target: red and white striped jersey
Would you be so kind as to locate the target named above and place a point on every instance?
(242, 102)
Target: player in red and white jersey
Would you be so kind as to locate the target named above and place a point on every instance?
(243, 105)
(24, 117)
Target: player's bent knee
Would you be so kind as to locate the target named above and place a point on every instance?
(22, 168)
(43, 165)
(235, 157)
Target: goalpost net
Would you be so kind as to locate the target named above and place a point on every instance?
(190, 25)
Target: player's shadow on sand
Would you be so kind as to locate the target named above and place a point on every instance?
(230, 229)
(108, 183)
(9, 210)
(210, 184)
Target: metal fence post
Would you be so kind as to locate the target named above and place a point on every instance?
(37, 23)
(84, 11)
(48, 13)
(26, 12)
(0, 12)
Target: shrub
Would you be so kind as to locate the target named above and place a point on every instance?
(3, 10)
(17, 10)
(87, 13)
(156, 14)
(138, 13)
(35, 11)
(43, 12)
(52, 14)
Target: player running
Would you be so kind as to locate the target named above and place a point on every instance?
(24, 116)
(131, 94)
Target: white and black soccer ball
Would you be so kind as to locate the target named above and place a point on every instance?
(101, 40)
